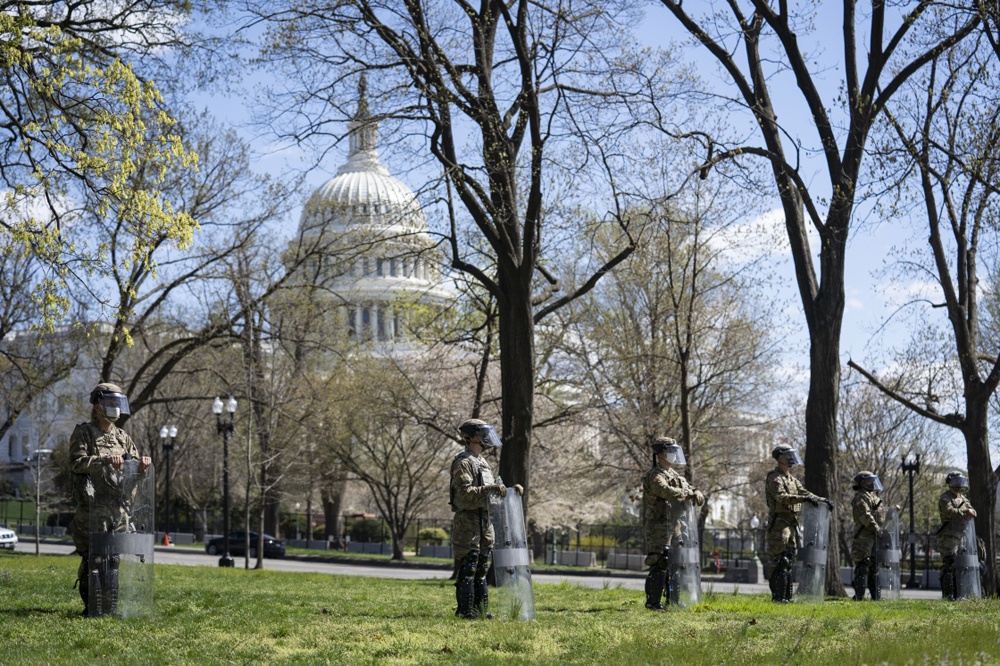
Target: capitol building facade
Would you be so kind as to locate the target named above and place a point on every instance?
(377, 252)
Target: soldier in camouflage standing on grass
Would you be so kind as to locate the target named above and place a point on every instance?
(869, 517)
(664, 492)
(98, 451)
(472, 483)
(955, 510)
(784, 495)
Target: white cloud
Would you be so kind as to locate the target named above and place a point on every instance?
(896, 294)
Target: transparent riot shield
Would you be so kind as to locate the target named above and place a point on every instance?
(967, 582)
(685, 560)
(511, 561)
(810, 567)
(120, 575)
(888, 556)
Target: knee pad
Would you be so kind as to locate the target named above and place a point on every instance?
(467, 568)
(664, 562)
(783, 563)
(483, 564)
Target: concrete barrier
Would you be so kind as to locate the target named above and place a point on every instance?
(371, 548)
(636, 562)
(436, 551)
(310, 545)
(29, 530)
(745, 571)
(576, 558)
(177, 538)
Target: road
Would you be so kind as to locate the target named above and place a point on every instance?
(634, 581)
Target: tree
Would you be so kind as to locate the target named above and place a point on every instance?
(948, 128)
(877, 434)
(757, 45)
(31, 360)
(491, 92)
(677, 342)
(76, 118)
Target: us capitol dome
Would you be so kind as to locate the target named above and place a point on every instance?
(376, 252)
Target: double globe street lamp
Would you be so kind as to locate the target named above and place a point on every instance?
(168, 436)
(225, 428)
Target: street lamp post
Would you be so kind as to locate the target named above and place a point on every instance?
(225, 428)
(40, 455)
(298, 534)
(911, 469)
(168, 435)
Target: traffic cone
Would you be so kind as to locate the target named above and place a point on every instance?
(166, 539)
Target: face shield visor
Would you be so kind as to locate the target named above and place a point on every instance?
(674, 455)
(791, 458)
(114, 405)
(872, 483)
(489, 437)
(959, 482)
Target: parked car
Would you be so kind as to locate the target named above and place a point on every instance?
(272, 547)
(8, 539)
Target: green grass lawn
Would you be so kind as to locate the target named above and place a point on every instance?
(232, 616)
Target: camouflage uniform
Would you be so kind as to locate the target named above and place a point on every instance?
(784, 495)
(664, 492)
(471, 533)
(954, 510)
(95, 488)
(869, 516)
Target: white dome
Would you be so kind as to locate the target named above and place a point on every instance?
(363, 194)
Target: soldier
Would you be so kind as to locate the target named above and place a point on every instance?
(869, 516)
(98, 451)
(955, 509)
(472, 483)
(664, 492)
(784, 495)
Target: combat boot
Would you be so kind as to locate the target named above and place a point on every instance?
(860, 580)
(655, 582)
(777, 585)
(948, 586)
(482, 598)
(873, 584)
(787, 598)
(465, 596)
(465, 588)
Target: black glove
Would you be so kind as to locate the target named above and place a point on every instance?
(814, 500)
(829, 504)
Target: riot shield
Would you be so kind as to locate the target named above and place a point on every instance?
(810, 567)
(967, 583)
(888, 556)
(120, 568)
(511, 562)
(685, 560)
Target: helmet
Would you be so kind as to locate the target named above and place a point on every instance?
(956, 480)
(487, 433)
(867, 480)
(670, 447)
(787, 454)
(111, 399)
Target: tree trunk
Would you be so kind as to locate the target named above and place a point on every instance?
(982, 479)
(398, 534)
(821, 428)
(332, 497)
(517, 368)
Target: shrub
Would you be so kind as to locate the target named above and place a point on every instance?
(367, 530)
(436, 534)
